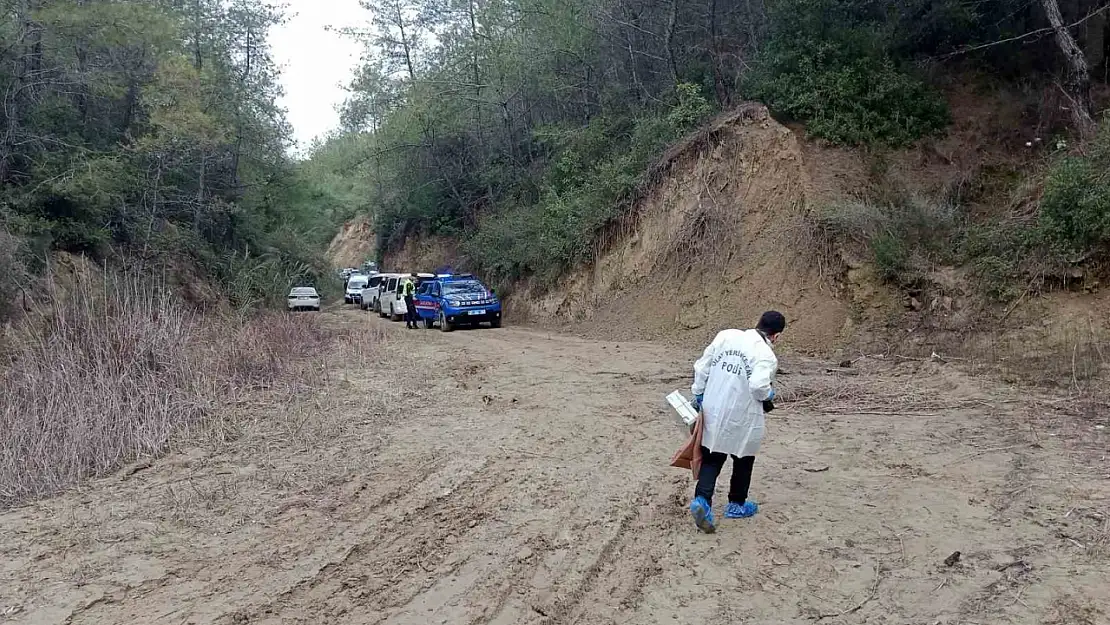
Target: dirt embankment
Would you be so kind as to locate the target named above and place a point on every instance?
(718, 239)
(424, 254)
(354, 244)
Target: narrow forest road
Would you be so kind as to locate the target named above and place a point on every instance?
(517, 476)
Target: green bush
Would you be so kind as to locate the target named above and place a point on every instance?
(899, 236)
(1075, 208)
(892, 256)
(828, 65)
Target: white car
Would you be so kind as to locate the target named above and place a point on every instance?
(355, 284)
(304, 298)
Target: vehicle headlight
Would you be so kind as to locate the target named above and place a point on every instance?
(452, 302)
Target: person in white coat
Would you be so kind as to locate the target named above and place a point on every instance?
(733, 381)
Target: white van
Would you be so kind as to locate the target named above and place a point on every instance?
(382, 294)
(393, 298)
(370, 291)
(355, 284)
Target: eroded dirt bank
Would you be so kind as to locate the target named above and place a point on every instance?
(520, 477)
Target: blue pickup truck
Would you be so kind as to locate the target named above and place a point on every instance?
(457, 300)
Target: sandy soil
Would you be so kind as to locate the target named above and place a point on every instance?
(515, 476)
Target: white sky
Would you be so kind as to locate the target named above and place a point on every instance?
(316, 63)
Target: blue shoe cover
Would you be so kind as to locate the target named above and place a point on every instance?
(741, 510)
(703, 515)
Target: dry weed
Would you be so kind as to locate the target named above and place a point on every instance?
(118, 369)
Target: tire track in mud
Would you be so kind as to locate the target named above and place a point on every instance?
(606, 577)
(391, 558)
(250, 580)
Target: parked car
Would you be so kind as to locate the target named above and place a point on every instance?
(457, 300)
(394, 296)
(353, 292)
(304, 298)
(370, 291)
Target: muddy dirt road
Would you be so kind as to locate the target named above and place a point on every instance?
(516, 476)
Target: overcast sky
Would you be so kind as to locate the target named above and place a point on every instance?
(316, 63)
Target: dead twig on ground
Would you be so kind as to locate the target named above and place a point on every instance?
(883, 413)
(856, 608)
(533, 454)
(987, 451)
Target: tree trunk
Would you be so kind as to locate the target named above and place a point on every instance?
(1077, 85)
(672, 21)
(475, 73)
(405, 45)
(198, 58)
(719, 87)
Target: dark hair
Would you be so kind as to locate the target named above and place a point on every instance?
(772, 322)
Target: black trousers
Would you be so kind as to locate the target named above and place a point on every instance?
(410, 311)
(711, 465)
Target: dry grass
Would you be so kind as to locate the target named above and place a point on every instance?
(118, 369)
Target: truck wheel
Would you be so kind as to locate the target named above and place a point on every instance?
(496, 323)
(444, 325)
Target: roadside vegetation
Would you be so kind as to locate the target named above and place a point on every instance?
(1045, 242)
(523, 128)
(146, 133)
(148, 213)
(119, 368)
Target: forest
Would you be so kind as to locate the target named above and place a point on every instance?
(522, 128)
(145, 132)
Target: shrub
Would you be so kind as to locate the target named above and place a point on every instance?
(892, 256)
(898, 236)
(1075, 208)
(14, 276)
(828, 65)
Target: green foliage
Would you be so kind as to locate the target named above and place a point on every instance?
(523, 127)
(827, 63)
(1075, 208)
(902, 237)
(595, 171)
(148, 130)
(892, 256)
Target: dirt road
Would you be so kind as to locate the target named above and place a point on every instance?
(516, 476)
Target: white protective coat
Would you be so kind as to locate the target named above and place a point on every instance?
(735, 373)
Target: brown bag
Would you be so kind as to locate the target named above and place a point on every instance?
(689, 455)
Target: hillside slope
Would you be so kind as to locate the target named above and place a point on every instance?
(353, 244)
(729, 225)
(717, 239)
